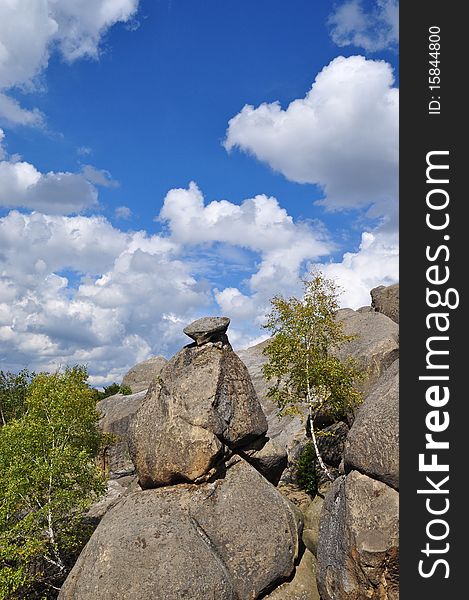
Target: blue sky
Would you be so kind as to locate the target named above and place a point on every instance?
(163, 160)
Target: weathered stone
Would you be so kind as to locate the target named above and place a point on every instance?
(208, 329)
(287, 432)
(267, 457)
(311, 517)
(282, 430)
(231, 539)
(141, 376)
(331, 443)
(303, 585)
(372, 446)
(202, 406)
(359, 540)
(116, 489)
(385, 299)
(364, 309)
(116, 414)
(376, 345)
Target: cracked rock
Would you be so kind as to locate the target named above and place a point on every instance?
(201, 408)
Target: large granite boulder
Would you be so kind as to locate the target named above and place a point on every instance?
(359, 540)
(385, 299)
(201, 408)
(376, 343)
(141, 376)
(232, 539)
(372, 445)
(116, 413)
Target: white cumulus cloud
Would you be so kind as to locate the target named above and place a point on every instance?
(78, 290)
(374, 29)
(30, 30)
(376, 262)
(343, 136)
(23, 186)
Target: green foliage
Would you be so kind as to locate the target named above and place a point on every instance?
(306, 471)
(48, 478)
(302, 356)
(111, 390)
(13, 388)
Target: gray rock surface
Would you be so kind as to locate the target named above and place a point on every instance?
(267, 457)
(303, 585)
(116, 489)
(208, 329)
(376, 345)
(117, 412)
(359, 540)
(312, 517)
(385, 299)
(141, 376)
(331, 442)
(202, 406)
(372, 446)
(288, 432)
(231, 539)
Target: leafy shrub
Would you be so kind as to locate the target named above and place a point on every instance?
(306, 470)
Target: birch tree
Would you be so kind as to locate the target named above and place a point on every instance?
(48, 478)
(303, 366)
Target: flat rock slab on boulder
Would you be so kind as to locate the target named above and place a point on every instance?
(232, 539)
(359, 540)
(372, 445)
(208, 329)
(141, 376)
(202, 405)
(385, 299)
(116, 413)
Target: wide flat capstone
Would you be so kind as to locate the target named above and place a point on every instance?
(207, 329)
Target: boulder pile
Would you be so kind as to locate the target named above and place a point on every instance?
(358, 548)
(206, 523)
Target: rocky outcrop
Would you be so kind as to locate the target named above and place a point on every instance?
(206, 524)
(281, 429)
(385, 299)
(267, 457)
(372, 446)
(117, 412)
(230, 539)
(202, 407)
(303, 585)
(359, 540)
(375, 346)
(141, 376)
(288, 433)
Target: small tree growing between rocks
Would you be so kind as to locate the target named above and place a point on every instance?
(302, 355)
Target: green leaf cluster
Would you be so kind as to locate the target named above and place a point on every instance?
(48, 478)
(306, 474)
(111, 390)
(13, 388)
(303, 364)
